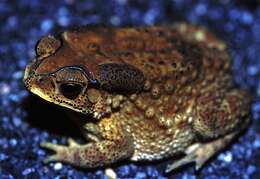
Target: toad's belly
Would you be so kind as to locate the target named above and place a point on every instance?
(153, 140)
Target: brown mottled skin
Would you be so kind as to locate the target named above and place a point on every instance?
(148, 93)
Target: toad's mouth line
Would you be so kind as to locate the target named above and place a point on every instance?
(46, 97)
(41, 94)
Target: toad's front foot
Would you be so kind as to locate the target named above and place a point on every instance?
(62, 152)
(200, 153)
(89, 155)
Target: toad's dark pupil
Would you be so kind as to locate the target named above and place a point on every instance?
(70, 90)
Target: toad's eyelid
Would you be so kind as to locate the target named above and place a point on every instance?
(85, 72)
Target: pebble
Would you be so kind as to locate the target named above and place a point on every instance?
(57, 166)
(27, 171)
(226, 157)
(110, 173)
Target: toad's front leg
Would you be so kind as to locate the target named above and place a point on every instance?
(116, 146)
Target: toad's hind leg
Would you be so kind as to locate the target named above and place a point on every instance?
(217, 115)
(200, 153)
(217, 120)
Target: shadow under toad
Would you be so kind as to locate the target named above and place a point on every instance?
(46, 116)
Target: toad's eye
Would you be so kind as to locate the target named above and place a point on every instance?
(70, 90)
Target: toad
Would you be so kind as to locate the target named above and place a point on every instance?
(146, 93)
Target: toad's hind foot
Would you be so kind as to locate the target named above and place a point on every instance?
(200, 153)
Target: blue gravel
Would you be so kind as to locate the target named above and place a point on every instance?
(25, 121)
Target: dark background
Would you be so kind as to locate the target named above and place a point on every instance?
(25, 121)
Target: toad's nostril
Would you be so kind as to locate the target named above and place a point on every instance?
(53, 84)
(28, 72)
